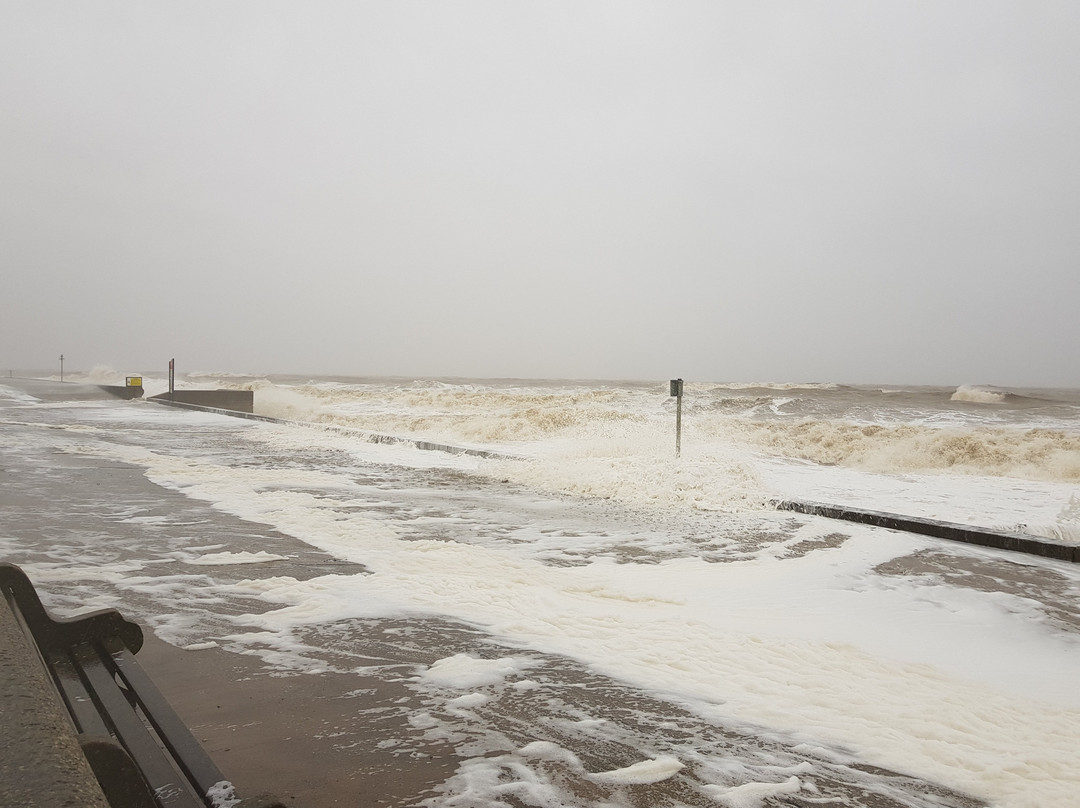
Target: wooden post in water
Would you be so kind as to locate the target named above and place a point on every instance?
(61, 367)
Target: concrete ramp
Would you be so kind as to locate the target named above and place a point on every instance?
(50, 390)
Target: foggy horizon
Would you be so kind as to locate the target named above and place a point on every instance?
(737, 192)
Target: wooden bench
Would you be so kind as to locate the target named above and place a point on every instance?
(140, 752)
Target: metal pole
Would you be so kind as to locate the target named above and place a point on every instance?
(676, 389)
(172, 378)
(61, 367)
(678, 426)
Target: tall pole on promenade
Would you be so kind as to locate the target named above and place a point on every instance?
(677, 391)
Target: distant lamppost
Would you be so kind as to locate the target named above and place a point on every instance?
(61, 367)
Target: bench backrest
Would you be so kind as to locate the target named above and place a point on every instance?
(143, 755)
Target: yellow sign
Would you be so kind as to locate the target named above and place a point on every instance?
(134, 381)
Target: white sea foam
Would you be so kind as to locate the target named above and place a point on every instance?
(359, 447)
(222, 795)
(654, 770)
(643, 472)
(465, 672)
(200, 646)
(19, 396)
(832, 668)
(737, 631)
(218, 559)
(753, 795)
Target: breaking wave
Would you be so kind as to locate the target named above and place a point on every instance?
(774, 386)
(635, 423)
(1035, 454)
(444, 412)
(977, 394)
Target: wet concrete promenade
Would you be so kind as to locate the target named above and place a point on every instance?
(334, 718)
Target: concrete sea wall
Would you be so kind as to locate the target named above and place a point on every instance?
(235, 400)
(123, 391)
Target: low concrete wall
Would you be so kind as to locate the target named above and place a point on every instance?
(122, 391)
(984, 537)
(236, 400)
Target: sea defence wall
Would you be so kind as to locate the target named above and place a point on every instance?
(232, 400)
(123, 391)
(984, 537)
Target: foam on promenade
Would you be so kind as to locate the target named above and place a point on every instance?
(984, 537)
(370, 437)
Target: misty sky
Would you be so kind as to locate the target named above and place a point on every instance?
(878, 192)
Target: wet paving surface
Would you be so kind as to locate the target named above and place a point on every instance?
(97, 533)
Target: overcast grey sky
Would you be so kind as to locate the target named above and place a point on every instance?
(729, 191)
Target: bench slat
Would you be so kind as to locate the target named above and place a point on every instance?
(80, 704)
(192, 758)
(166, 783)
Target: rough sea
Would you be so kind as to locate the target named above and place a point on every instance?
(584, 618)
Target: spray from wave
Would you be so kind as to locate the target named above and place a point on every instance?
(99, 374)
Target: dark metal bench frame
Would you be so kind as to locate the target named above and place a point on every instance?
(141, 752)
